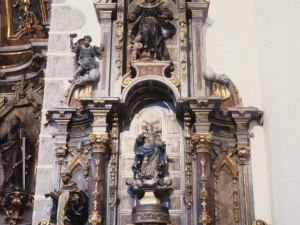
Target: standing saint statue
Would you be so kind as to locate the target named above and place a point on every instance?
(70, 204)
(150, 161)
(150, 16)
(11, 150)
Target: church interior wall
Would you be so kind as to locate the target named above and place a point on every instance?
(255, 44)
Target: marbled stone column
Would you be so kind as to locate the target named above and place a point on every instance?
(105, 17)
(100, 140)
(203, 194)
(198, 14)
(202, 150)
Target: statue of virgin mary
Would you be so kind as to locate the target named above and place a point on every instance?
(150, 155)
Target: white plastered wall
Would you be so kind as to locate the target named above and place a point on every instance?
(256, 44)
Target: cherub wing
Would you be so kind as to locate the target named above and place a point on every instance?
(98, 51)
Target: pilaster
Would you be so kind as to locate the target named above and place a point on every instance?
(48, 176)
(242, 117)
(198, 16)
(105, 12)
(103, 146)
(200, 142)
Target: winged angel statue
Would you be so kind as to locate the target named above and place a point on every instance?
(88, 69)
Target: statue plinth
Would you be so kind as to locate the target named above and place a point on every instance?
(150, 213)
(149, 210)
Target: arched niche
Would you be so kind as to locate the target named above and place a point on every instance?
(162, 115)
(145, 91)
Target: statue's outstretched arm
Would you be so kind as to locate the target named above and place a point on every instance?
(72, 45)
(134, 14)
(165, 12)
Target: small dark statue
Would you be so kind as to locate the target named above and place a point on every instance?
(149, 17)
(70, 204)
(87, 69)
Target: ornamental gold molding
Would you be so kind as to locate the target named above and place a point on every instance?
(183, 67)
(60, 152)
(99, 103)
(187, 121)
(201, 142)
(43, 222)
(259, 222)
(204, 217)
(182, 8)
(113, 164)
(188, 161)
(220, 90)
(243, 154)
(13, 204)
(183, 30)
(173, 80)
(29, 24)
(119, 30)
(120, 36)
(95, 218)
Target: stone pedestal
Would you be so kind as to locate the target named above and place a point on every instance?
(149, 210)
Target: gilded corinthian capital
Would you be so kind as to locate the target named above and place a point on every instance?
(200, 142)
(101, 142)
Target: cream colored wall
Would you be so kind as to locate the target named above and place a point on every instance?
(256, 44)
(91, 27)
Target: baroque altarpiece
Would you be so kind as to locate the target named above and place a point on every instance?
(129, 129)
